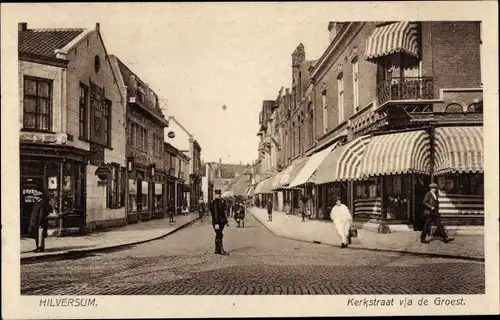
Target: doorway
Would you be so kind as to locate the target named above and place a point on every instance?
(31, 191)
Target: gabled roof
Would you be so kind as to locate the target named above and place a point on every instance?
(44, 42)
(127, 74)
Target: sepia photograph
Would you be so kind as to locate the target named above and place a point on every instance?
(190, 150)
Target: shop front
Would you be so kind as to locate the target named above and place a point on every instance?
(278, 192)
(459, 173)
(139, 196)
(258, 197)
(313, 192)
(159, 196)
(396, 170)
(335, 177)
(292, 196)
(170, 193)
(62, 170)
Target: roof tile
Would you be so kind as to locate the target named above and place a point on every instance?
(44, 42)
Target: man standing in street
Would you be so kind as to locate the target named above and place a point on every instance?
(219, 221)
(431, 215)
(270, 209)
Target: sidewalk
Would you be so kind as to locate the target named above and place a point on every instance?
(118, 237)
(291, 227)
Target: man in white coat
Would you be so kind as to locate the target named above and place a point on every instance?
(342, 219)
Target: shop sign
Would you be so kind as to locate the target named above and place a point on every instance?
(52, 183)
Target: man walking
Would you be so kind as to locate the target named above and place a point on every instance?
(219, 221)
(431, 215)
(270, 209)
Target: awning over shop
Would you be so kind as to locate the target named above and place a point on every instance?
(227, 194)
(397, 153)
(258, 188)
(249, 191)
(267, 186)
(393, 38)
(459, 150)
(311, 165)
(291, 172)
(342, 163)
(275, 185)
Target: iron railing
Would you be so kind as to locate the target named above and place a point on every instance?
(408, 88)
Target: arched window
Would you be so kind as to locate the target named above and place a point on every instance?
(475, 108)
(454, 108)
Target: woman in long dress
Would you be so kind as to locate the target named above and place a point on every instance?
(39, 220)
(342, 219)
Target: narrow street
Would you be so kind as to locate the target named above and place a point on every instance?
(259, 263)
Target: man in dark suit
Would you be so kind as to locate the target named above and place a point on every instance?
(219, 221)
(431, 215)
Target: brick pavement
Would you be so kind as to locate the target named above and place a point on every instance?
(291, 227)
(130, 234)
(259, 263)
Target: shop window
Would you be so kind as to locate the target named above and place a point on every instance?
(83, 111)
(158, 195)
(133, 195)
(37, 106)
(114, 186)
(144, 195)
(68, 187)
(461, 184)
(368, 189)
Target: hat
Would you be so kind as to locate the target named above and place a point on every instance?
(433, 185)
(217, 191)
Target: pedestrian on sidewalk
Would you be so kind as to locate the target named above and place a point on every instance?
(39, 220)
(171, 211)
(303, 205)
(432, 215)
(270, 210)
(201, 208)
(342, 219)
(219, 221)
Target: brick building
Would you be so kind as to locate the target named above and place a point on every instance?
(392, 106)
(145, 125)
(72, 121)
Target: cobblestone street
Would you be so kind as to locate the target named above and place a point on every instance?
(259, 263)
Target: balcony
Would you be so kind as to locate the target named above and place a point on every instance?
(408, 88)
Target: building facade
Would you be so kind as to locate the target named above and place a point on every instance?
(145, 126)
(388, 108)
(195, 174)
(72, 122)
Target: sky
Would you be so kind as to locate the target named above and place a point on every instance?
(200, 59)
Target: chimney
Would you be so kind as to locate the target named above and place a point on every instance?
(98, 27)
(22, 26)
(332, 28)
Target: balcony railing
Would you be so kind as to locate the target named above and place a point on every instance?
(408, 88)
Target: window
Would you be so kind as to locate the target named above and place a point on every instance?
(37, 111)
(340, 97)
(107, 123)
(138, 136)
(114, 187)
(97, 64)
(157, 146)
(325, 111)
(355, 84)
(83, 114)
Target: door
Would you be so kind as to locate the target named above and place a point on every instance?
(420, 188)
(31, 190)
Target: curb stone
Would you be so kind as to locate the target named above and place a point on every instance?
(407, 252)
(82, 252)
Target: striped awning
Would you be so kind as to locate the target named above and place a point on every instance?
(458, 150)
(342, 163)
(393, 38)
(397, 153)
(258, 188)
(310, 167)
(290, 171)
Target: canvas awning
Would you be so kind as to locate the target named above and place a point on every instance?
(290, 172)
(259, 186)
(395, 37)
(342, 163)
(397, 153)
(459, 150)
(267, 186)
(275, 185)
(310, 167)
